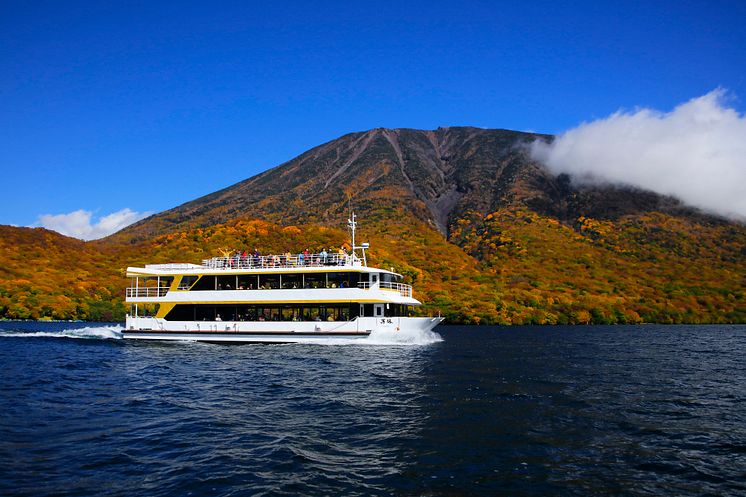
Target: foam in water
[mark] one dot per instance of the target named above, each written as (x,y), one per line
(383,337)
(89,332)
(418,337)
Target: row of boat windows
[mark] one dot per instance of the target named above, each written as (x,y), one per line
(327,312)
(268,281)
(272,281)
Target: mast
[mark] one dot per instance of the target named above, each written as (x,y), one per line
(352,223)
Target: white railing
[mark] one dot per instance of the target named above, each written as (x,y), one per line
(403,289)
(179,266)
(281,261)
(147,292)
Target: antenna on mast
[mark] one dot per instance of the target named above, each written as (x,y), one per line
(352,223)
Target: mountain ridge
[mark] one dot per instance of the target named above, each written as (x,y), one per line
(437,172)
(421,161)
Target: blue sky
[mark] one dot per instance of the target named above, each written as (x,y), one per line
(146,105)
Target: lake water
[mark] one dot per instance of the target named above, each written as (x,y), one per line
(628,411)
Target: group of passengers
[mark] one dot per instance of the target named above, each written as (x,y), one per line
(242,258)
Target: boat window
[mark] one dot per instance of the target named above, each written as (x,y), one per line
(247,281)
(187,282)
(250,313)
(291,281)
(272,313)
(338,280)
(225,312)
(314,280)
(260,312)
(353,311)
(336,313)
(374,278)
(205,283)
(205,313)
(181,312)
(269,281)
(147,309)
(227,282)
(344,314)
(291,313)
(393,310)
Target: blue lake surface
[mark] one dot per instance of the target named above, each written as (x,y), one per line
(522,411)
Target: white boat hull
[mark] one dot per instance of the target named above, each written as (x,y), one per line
(150,328)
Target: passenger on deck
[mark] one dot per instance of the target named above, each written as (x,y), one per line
(217,317)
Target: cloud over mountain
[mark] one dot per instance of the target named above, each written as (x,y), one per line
(78,223)
(697,153)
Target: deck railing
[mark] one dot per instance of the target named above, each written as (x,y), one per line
(281,261)
(403,289)
(147,292)
(177,266)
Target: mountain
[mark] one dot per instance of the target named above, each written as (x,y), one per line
(486,234)
(433,176)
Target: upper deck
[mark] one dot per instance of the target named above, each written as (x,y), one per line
(260,263)
(319,276)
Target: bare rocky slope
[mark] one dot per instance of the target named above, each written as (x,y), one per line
(436,176)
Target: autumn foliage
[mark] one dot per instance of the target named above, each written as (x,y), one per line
(512,266)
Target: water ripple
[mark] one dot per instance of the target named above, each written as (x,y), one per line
(640,411)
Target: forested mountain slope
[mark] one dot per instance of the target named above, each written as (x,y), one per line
(486,234)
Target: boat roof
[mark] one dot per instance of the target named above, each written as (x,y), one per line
(267,264)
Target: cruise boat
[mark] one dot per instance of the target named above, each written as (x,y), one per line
(271,299)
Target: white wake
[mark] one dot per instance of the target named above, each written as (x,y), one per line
(89,332)
(385,337)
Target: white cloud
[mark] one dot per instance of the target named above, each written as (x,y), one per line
(78,223)
(697,153)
